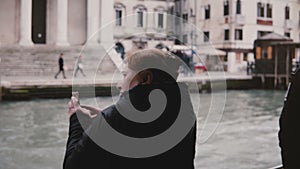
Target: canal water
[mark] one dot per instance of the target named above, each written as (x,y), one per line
(33,134)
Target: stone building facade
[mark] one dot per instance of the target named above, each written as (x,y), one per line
(42,29)
(233,25)
(53,22)
(81,22)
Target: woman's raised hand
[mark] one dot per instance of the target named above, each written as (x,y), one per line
(74,107)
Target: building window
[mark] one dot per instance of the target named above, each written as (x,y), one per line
(184,39)
(226,34)
(185,17)
(287,12)
(238,56)
(172,10)
(299,19)
(269,53)
(160,20)
(260,10)
(118,17)
(160,17)
(205,36)
(264,53)
(238,34)
(140,19)
(264,14)
(226,7)
(258,53)
(238,7)
(207,11)
(269,11)
(245,58)
(119,11)
(140,15)
(287,34)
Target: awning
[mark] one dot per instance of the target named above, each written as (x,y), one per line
(141,38)
(209,51)
(180,47)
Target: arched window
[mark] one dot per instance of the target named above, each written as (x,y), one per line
(260,9)
(119,13)
(160,17)
(207,11)
(226,7)
(269,11)
(238,7)
(140,15)
(287,12)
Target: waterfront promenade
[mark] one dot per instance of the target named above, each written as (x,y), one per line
(108,79)
(28,72)
(27,87)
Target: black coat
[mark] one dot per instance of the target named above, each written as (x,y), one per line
(61,63)
(83,152)
(289,139)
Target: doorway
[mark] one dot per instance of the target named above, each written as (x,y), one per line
(39,8)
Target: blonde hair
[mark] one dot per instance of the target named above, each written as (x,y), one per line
(155,60)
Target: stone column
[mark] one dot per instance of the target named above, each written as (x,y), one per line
(26,12)
(231,22)
(62,23)
(107,17)
(93,20)
(231,62)
(106,34)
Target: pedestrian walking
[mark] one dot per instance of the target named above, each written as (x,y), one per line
(79,66)
(248,68)
(61,66)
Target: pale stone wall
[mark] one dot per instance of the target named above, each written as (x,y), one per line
(150,23)
(77,24)
(51,22)
(247,21)
(295,19)
(77,21)
(216,24)
(9,19)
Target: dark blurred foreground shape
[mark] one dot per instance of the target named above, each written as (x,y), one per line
(289,139)
(83,152)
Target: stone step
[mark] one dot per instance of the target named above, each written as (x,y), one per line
(43,61)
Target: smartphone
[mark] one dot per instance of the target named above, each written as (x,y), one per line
(76,95)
